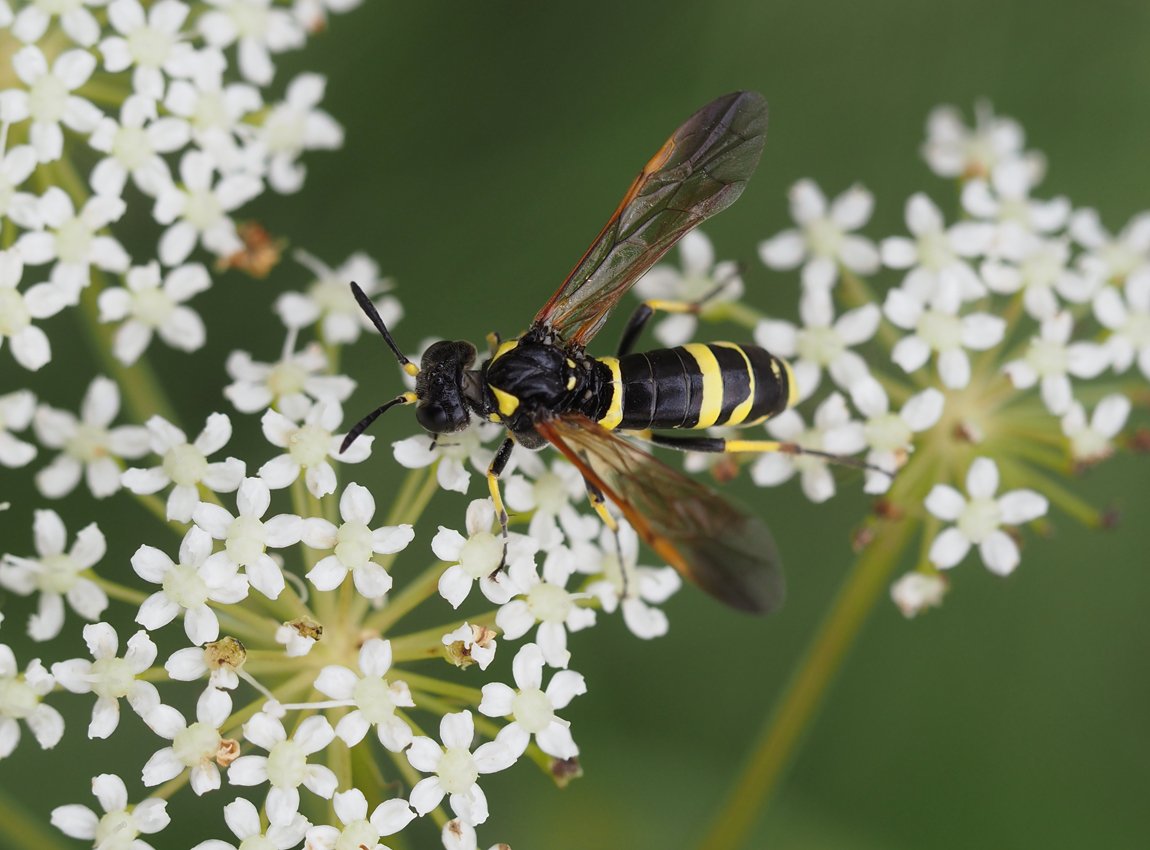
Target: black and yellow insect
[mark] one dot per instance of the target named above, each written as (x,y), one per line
(545,388)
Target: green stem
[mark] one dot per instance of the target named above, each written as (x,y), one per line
(407,600)
(780,737)
(431,685)
(21,831)
(118,591)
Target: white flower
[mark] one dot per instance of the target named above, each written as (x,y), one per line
(353,543)
(1112,258)
(546,602)
(359,831)
(187,586)
(259,28)
(1090,441)
(20,695)
(937,327)
(936,256)
(890,436)
(285,767)
(456,768)
(78,23)
(548,495)
(71,240)
(145,306)
(16,166)
(330,302)
(471,643)
(48,101)
(121,825)
(821,342)
(1038,267)
(953,150)
(832,415)
(531,708)
(452,451)
(374,697)
(57,575)
(290,384)
(1128,321)
(16,410)
(823,239)
(29,344)
(88,446)
(293,126)
(479,556)
(1006,200)
(218,660)
(151,41)
(109,677)
(309,446)
(199,211)
(698,279)
(915,592)
(246,537)
(633,588)
(214,110)
(978,520)
(186,465)
(1052,358)
(243,819)
(195,746)
(133,146)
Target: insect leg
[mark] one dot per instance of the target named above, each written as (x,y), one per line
(498,464)
(718,444)
(599,503)
(646,310)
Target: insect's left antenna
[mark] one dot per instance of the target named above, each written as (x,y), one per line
(363,424)
(373,314)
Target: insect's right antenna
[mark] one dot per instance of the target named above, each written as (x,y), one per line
(363,424)
(373,314)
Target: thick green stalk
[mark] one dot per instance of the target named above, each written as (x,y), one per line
(786,726)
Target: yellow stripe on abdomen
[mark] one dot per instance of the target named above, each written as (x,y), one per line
(743,408)
(614,414)
(711,404)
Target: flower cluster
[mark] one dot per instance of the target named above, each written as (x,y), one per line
(282,571)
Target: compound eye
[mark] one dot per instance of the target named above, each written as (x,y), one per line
(433,417)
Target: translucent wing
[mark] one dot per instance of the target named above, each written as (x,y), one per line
(698,172)
(725,551)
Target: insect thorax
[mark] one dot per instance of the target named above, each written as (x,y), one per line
(531,378)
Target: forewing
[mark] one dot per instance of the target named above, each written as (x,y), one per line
(698,172)
(725,551)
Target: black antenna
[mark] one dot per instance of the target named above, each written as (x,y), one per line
(363,424)
(369,308)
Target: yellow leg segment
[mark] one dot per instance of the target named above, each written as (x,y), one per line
(600,505)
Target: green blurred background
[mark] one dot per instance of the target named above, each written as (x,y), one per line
(486,144)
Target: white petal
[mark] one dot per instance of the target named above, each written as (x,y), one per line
(1019,506)
(948,548)
(999,553)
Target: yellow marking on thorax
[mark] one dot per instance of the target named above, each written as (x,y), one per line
(711,405)
(508,403)
(744,407)
(503,348)
(614,413)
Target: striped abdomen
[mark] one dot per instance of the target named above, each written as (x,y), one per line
(696,386)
